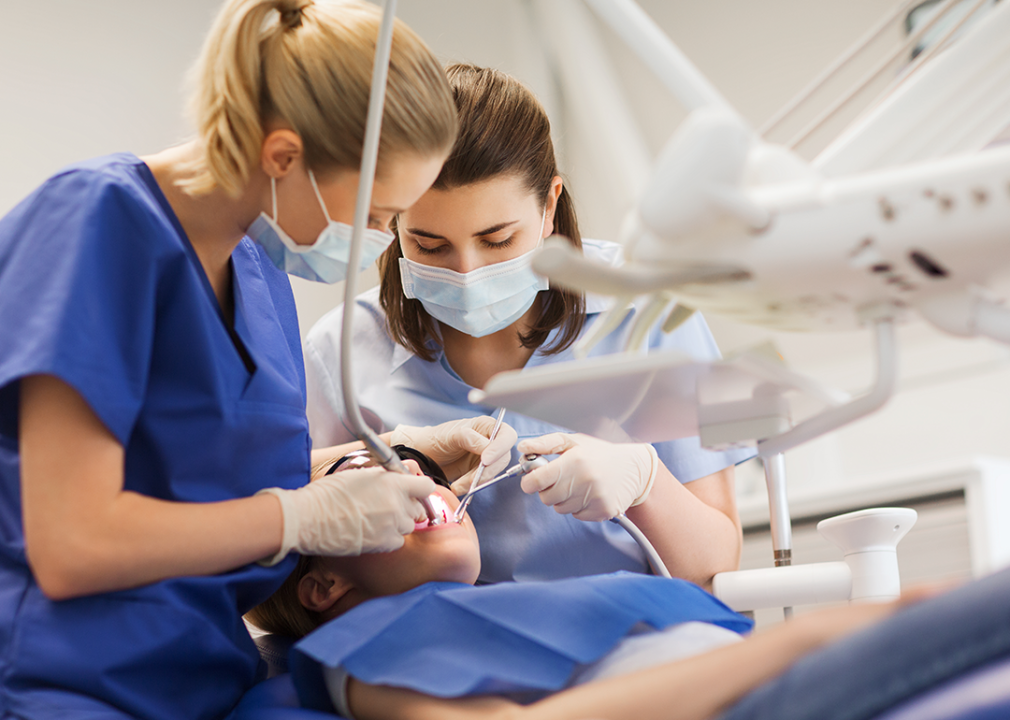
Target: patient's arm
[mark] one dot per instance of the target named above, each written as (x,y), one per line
(690,689)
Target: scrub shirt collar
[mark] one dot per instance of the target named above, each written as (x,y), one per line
(402,354)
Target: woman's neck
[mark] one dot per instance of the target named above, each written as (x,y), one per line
(214,223)
(476,360)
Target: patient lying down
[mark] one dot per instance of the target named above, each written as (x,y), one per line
(404,635)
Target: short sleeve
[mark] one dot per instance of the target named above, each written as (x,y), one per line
(78,290)
(685,457)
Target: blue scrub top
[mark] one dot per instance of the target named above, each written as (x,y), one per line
(520,537)
(100,287)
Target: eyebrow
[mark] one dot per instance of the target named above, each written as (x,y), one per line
(487,231)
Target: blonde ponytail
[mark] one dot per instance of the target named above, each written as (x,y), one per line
(308,66)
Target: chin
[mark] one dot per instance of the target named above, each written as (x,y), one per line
(447,556)
(465,570)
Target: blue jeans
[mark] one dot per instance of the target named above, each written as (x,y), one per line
(914,650)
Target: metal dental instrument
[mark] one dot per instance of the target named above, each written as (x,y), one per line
(529,463)
(480,469)
(379,450)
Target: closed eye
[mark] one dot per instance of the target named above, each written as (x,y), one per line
(429,251)
(500,245)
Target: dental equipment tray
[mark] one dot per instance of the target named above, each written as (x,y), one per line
(646,398)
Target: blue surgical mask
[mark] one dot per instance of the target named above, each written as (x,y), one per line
(480,302)
(325,260)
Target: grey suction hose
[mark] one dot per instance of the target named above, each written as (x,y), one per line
(381,452)
(656,562)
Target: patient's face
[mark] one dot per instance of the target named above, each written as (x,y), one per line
(446,552)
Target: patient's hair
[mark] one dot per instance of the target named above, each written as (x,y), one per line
(283,613)
(503,131)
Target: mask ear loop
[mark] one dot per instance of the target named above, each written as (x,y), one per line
(319,197)
(273,195)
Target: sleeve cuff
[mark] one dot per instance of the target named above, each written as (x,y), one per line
(336,685)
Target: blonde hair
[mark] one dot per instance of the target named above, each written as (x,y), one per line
(308,65)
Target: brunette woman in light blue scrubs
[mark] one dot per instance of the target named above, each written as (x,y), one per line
(458,303)
(154,451)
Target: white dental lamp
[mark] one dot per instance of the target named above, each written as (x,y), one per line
(903,214)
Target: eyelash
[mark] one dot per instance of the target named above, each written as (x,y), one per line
(507,242)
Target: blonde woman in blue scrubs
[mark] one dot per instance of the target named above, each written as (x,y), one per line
(153,439)
(458,303)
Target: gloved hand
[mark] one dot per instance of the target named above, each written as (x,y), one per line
(350,512)
(593,479)
(458,447)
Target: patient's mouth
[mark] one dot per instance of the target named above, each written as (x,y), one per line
(441,508)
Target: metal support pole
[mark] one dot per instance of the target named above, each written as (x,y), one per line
(778,509)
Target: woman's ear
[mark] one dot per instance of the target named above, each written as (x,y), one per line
(557,184)
(320,589)
(281,148)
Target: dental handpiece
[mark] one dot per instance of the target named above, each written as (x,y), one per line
(392,462)
(529,463)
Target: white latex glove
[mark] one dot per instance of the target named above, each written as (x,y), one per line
(350,512)
(593,479)
(459,446)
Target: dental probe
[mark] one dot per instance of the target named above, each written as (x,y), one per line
(480,468)
(529,463)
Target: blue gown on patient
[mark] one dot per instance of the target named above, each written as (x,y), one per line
(453,640)
(100,287)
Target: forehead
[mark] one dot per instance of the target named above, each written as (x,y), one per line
(504,197)
(399,181)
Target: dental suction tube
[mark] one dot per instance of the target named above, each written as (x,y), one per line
(382,453)
(655,561)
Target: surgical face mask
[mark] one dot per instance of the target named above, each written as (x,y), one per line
(325,260)
(480,302)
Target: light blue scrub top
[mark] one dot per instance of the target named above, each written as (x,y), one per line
(520,537)
(100,287)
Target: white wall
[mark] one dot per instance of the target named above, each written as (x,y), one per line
(83,79)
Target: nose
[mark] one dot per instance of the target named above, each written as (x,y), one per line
(468,260)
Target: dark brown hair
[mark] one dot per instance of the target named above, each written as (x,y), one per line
(503,131)
(283,613)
